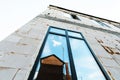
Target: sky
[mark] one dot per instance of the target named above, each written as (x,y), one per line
(16,13)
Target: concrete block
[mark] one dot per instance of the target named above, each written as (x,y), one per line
(29,41)
(109,62)
(21,74)
(10,47)
(114,73)
(16,61)
(116,57)
(7,73)
(34,33)
(13,38)
(1,54)
(97,48)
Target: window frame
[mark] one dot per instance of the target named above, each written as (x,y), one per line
(72,66)
(102,24)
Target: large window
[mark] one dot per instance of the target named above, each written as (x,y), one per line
(72,48)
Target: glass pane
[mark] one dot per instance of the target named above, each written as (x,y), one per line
(37,70)
(85,65)
(106,24)
(57,31)
(74,34)
(57,45)
(102,24)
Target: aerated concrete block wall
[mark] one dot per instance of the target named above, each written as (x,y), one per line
(18,51)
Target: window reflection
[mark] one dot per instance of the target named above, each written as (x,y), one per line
(85,65)
(55,30)
(57,45)
(74,34)
(37,71)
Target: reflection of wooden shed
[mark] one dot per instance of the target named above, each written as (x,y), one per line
(51,68)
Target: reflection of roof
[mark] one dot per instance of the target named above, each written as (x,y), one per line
(52,60)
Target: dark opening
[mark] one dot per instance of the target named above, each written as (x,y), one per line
(74,17)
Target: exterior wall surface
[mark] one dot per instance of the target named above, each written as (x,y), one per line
(18,51)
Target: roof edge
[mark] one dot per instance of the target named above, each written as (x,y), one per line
(53,55)
(83,14)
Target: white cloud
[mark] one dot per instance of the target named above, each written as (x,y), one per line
(52,37)
(89,60)
(96,75)
(61,38)
(46,50)
(56,43)
(74,42)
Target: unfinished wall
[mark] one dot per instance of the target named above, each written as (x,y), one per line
(105,44)
(19,50)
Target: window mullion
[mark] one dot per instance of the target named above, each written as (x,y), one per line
(73,71)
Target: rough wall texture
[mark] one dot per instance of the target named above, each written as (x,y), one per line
(19,50)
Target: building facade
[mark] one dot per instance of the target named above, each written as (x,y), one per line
(89,46)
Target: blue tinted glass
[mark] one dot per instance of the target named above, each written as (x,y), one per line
(74,34)
(55,30)
(85,65)
(57,45)
(102,24)
(37,70)
(106,25)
